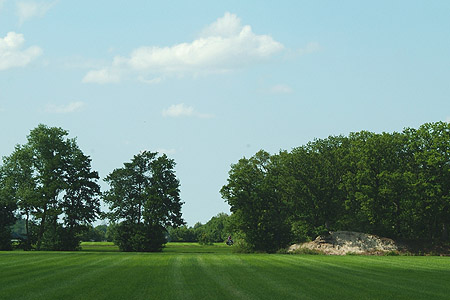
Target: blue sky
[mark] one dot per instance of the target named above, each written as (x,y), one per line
(209,83)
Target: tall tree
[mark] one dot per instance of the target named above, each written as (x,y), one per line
(52,181)
(252,192)
(430,145)
(7,208)
(144,198)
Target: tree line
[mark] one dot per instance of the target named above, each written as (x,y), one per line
(216,230)
(395,185)
(49,183)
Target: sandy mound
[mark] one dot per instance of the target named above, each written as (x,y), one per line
(343,242)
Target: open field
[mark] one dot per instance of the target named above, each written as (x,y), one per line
(191,271)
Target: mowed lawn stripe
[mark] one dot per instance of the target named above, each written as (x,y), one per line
(276,278)
(142,276)
(45,265)
(190,281)
(313,281)
(230,280)
(214,273)
(256,278)
(378,281)
(60,276)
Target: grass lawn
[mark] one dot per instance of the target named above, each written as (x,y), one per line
(191,271)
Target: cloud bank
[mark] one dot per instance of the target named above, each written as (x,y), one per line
(223,46)
(11,53)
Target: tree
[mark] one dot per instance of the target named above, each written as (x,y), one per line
(182,234)
(216,230)
(54,187)
(430,145)
(7,208)
(310,182)
(253,194)
(143,199)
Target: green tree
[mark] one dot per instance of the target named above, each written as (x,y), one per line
(143,199)
(311,184)
(216,230)
(253,195)
(7,208)
(378,183)
(430,145)
(182,234)
(52,182)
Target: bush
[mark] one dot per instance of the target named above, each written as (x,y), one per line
(205,239)
(300,232)
(139,237)
(241,245)
(59,238)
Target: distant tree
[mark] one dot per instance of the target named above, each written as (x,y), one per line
(143,200)
(54,187)
(182,234)
(94,234)
(216,230)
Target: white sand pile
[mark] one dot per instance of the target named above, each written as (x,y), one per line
(343,242)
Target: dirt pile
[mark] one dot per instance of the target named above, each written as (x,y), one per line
(343,242)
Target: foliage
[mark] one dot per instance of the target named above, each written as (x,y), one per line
(390,184)
(182,234)
(260,211)
(7,218)
(51,182)
(216,230)
(96,234)
(143,237)
(143,200)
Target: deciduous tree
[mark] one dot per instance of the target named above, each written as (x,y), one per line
(144,199)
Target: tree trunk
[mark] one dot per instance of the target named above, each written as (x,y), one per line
(27,228)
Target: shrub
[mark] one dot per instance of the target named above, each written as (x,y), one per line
(131,237)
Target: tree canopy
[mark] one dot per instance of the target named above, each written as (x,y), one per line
(52,183)
(391,184)
(144,199)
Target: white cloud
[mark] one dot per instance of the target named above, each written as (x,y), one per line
(156,80)
(11,53)
(281,89)
(311,47)
(102,76)
(30,9)
(182,110)
(222,46)
(65,109)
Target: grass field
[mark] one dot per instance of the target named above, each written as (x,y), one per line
(191,271)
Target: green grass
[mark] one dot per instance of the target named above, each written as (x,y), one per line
(191,271)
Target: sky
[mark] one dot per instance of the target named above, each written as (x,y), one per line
(210,82)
